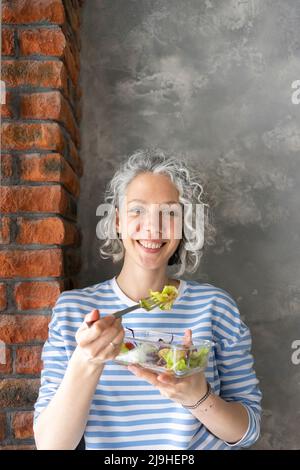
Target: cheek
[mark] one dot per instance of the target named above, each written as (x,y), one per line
(130,231)
(134,229)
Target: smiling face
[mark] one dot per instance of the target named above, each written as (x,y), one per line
(150,220)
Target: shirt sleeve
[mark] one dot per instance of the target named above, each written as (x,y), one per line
(238,381)
(55,361)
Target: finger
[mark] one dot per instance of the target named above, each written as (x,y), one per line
(103,351)
(167,379)
(93,316)
(150,377)
(86,335)
(110,333)
(118,339)
(187,340)
(105,343)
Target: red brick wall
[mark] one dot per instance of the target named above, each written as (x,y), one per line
(40,171)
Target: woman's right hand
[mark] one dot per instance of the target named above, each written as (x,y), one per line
(103,339)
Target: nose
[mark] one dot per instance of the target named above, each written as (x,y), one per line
(153,223)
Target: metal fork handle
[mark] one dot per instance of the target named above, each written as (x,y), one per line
(120,313)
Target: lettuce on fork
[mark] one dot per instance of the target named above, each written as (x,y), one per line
(166,297)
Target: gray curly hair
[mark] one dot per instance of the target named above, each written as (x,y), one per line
(190,191)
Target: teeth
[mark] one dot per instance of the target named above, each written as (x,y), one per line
(151,245)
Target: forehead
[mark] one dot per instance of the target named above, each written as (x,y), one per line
(153,188)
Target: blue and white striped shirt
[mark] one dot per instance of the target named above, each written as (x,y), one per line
(129,413)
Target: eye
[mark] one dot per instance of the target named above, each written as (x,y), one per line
(172,213)
(136,210)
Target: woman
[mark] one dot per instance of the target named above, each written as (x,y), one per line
(117,407)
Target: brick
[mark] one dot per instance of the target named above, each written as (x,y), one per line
(15,329)
(8,46)
(51,105)
(33,11)
(3,298)
(18,392)
(51,168)
(50,42)
(6,166)
(4,230)
(48,231)
(22,423)
(23,136)
(34,263)
(5,368)
(42,41)
(29,135)
(34,73)
(28,360)
(33,199)
(6,108)
(3,429)
(32,295)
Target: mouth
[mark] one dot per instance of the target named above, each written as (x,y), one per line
(150,247)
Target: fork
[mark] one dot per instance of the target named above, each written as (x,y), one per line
(151,305)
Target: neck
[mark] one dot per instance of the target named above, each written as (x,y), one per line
(135,283)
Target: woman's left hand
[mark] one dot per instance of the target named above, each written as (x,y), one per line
(185,391)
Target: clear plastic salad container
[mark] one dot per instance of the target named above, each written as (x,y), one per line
(163,352)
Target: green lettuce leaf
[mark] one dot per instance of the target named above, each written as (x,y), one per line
(198,358)
(180,365)
(167,297)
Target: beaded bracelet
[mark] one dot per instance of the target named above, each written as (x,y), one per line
(201,399)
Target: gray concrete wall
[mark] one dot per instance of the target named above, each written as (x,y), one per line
(210,79)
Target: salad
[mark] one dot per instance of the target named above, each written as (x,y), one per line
(160,351)
(162,357)
(166,298)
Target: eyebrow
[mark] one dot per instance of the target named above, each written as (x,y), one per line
(141,200)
